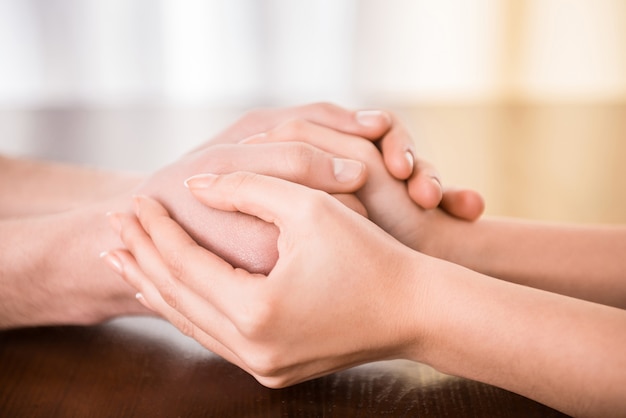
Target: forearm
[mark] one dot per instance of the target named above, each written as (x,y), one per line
(579,261)
(50,272)
(29,187)
(560,351)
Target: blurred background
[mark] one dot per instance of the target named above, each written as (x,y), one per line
(524,100)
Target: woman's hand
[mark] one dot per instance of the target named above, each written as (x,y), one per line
(342,292)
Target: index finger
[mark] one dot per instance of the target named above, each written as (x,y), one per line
(271,199)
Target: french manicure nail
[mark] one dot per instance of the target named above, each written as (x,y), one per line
(200,181)
(254,138)
(113,261)
(371,118)
(410,159)
(346,170)
(143,301)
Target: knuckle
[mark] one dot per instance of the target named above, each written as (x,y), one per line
(176,265)
(299,160)
(314,205)
(266,365)
(255,321)
(292,129)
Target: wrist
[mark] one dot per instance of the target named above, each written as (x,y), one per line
(52,273)
(99,293)
(420,310)
(452,239)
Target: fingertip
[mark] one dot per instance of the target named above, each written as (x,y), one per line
(464,204)
(200,181)
(426,191)
(372,118)
(347,170)
(400,165)
(376,122)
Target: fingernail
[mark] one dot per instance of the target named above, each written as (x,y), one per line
(143,301)
(114,221)
(371,118)
(254,138)
(346,170)
(410,159)
(200,181)
(113,261)
(137,203)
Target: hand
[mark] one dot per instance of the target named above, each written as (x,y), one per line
(342,292)
(423,181)
(385,198)
(242,240)
(378,126)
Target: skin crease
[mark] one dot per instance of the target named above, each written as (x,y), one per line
(68,204)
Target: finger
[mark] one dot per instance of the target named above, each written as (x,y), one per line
(371,124)
(464,204)
(294,161)
(201,288)
(398,152)
(367,124)
(271,199)
(148,295)
(424,186)
(172,257)
(321,137)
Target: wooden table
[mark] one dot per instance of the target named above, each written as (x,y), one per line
(142,367)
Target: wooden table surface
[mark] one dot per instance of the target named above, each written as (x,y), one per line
(142,367)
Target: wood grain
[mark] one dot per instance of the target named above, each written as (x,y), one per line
(142,367)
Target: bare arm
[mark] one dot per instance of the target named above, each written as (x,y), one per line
(587,262)
(30,187)
(50,272)
(560,351)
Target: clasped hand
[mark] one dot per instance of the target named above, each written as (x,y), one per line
(289,284)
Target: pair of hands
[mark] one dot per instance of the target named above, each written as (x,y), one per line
(322,288)
(302,144)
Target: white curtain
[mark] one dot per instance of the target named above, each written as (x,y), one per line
(255,52)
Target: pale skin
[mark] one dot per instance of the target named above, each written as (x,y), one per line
(43,204)
(359,292)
